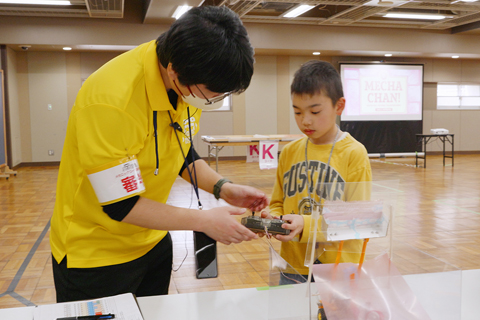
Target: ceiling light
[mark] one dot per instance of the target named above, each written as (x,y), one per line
(95,47)
(385,3)
(67,48)
(39,2)
(455,57)
(388,54)
(316,53)
(298,10)
(468,0)
(419,16)
(180,11)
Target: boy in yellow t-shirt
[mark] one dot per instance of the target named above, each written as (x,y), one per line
(330,156)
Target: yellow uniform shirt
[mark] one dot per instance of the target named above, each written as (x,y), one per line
(112,120)
(349,163)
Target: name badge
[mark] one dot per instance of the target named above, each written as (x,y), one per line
(117,180)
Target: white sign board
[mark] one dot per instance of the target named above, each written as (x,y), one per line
(252,153)
(268,154)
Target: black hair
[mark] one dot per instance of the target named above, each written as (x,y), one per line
(208,45)
(316,77)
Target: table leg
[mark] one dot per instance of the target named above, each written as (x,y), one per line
(416,152)
(424,153)
(216,158)
(444,151)
(209,150)
(452,148)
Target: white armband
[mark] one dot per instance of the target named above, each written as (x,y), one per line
(117,180)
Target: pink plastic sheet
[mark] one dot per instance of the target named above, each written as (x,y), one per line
(377,292)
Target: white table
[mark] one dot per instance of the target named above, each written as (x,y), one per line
(218,142)
(437,292)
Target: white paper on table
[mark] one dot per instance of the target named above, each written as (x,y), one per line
(123,306)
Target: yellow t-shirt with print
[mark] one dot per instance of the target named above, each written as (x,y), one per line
(112,120)
(349,163)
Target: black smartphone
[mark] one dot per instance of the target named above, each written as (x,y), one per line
(205,256)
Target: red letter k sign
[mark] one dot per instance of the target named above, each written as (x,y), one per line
(267,151)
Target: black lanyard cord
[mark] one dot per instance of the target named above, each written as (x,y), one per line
(193,182)
(156,140)
(191,145)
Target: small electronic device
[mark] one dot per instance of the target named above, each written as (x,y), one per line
(439,131)
(257,224)
(205,256)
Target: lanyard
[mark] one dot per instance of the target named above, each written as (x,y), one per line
(193,179)
(327,173)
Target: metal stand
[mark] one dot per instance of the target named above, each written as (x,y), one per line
(5,172)
(217,150)
(423,139)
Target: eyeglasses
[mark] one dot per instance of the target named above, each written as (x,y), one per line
(214,99)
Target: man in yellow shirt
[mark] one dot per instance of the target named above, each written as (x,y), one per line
(128,137)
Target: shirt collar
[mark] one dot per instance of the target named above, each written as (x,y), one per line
(156,92)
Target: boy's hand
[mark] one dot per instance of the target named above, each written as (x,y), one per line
(265,214)
(294,223)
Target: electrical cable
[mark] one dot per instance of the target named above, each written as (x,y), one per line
(185,238)
(192,181)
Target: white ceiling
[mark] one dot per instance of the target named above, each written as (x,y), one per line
(463,16)
(78,9)
(351,18)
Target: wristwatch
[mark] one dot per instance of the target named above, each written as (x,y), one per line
(218,186)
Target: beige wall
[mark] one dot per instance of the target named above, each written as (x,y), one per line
(283,94)
(41,78)
(19,107)
(462,123)
(47,80)
(349,40)
(91,61)
(260,97)
(14,106)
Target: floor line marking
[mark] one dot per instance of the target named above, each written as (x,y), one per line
(398,190)
(18,276)
(453,206)
(21,299)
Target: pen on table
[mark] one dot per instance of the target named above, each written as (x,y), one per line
(94,317)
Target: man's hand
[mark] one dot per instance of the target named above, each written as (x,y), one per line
(220,225)
(294,224)
(244,196)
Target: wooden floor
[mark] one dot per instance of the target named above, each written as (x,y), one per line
(436,227)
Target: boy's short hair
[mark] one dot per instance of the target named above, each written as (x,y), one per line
(316,77)
(209,45)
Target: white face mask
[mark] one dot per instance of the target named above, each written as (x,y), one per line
(202,103)
(199,103)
